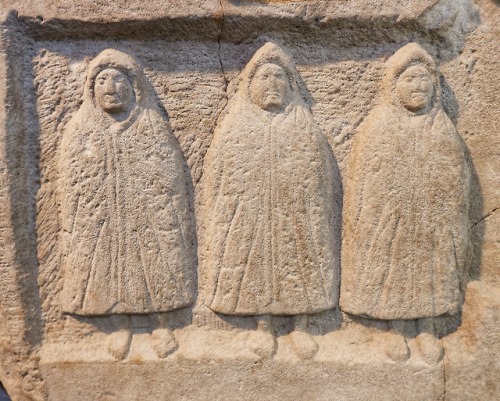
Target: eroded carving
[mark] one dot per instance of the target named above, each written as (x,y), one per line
(128,230)
(406,204)
(269,197)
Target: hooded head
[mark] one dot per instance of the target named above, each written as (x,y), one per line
(269,80)
(411,80)
(116,84)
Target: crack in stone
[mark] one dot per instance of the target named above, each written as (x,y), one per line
(445,357)
(485,217)
(219,47)
(226,82)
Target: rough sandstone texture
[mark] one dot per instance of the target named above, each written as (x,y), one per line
(202,158)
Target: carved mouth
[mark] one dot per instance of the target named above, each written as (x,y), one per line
(112,98)
(419,96)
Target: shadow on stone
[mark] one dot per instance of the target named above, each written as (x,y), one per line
(3,394)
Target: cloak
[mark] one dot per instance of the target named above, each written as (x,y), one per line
(127,220)
(269,197)
(406,227)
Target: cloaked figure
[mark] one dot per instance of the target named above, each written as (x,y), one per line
(128,236)
(406,231)
(272,213)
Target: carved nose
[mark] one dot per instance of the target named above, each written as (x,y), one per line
(273,84)
(421,85)
(109,87)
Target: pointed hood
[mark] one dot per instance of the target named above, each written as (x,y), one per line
(111,58)
(270,53)
(407,56)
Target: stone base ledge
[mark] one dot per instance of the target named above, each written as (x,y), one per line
(242,380)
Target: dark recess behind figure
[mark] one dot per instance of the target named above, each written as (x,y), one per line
(3,394)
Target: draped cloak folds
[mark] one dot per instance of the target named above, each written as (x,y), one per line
(126,215)
(269,194)
(406,226)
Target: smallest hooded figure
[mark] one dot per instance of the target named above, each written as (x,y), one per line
(127,220)
(271,210)
(406,205)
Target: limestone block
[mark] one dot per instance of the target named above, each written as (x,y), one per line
(472,353)
(178,181)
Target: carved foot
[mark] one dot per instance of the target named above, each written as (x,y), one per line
(430,348)
(164,342)
(262,343)
(396,347)
(304,345)
(119,344)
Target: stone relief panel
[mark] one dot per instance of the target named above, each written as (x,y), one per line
(128,234)
(104,182)
(309,332)
(342,89)
(406,216)
(270,205)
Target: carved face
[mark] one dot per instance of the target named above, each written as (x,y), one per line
(270,87)
(113,91)
(415,88)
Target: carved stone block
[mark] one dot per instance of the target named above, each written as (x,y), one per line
(249,199)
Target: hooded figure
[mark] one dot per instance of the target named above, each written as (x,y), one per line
(406,201)
(127,221)
(269,196)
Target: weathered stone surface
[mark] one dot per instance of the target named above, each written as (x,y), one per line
(236,381)
(270,244)
(472,352)
(127,241)
(194,56)
(406,232)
